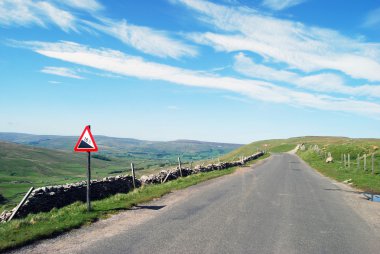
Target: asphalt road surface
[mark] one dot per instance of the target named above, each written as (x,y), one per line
(281,206)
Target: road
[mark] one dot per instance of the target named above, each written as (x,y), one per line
(282,206)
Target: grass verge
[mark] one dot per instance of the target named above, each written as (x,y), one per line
(44,225)
(361,179)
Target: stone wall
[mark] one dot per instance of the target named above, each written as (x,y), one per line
(46,198)
(2,199)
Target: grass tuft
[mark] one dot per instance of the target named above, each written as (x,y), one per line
(360,178)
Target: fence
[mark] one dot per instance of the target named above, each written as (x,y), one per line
(44,199)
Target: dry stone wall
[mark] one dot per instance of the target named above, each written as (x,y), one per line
(46,198)
(2,199)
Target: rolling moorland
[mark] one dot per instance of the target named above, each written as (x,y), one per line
(34,160)
(23,166)
(37,226)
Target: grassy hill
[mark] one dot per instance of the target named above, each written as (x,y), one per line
(34,160)
(128,148)
(24,166)
(337,146)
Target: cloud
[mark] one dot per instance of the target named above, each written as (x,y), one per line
(87,5)
(122,64)
(321,82)
(278,5)
(372,19)
(40,13)
(145,39)
(61,71)
(245,65)
(54,82)
(305,48)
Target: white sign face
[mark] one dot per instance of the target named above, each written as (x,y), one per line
(86,141)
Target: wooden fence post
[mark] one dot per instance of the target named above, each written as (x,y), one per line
(345,161)
(358,159)
(179,165)
(365,162)
(373,162)
(133,175)
(348,160)
(21,203)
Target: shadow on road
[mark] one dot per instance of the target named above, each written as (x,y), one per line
(150,207)
(357,192)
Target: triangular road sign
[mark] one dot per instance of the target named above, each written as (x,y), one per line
(86,142)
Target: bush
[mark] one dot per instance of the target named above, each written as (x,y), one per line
(101,157)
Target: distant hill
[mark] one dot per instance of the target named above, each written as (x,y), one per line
(39,160)
(24,166)
(283,145)
(127,147)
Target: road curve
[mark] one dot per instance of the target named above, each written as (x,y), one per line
(281,206)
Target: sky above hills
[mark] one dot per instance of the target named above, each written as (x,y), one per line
(228,70)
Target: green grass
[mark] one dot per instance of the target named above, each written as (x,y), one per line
(337,146)
(273,145)
(282,148)
(361,179)
(38,226)
(24,166)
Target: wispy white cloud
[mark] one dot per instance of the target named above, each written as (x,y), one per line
(61,71)
(281,4)
(63,19)
(372,19)
(54,82)
(40,13)
(321,82)
(43,13)
(301,47)
(122,64)
(245,65)
(87,5)
(145,39)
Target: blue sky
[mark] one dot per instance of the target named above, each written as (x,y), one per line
(228,70)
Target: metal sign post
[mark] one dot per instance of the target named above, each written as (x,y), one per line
(88,198)
(86,143)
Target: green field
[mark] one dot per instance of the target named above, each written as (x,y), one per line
(23,166)
(164,151)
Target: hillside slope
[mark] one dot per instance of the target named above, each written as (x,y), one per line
(32,160)
(126,147)
(360,149)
